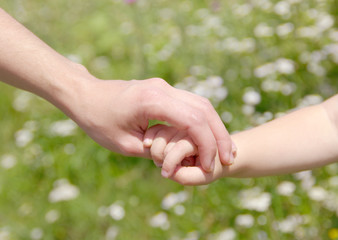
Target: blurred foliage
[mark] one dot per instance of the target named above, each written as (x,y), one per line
(184,42)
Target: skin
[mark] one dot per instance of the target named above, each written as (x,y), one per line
(114,113)
(302,140)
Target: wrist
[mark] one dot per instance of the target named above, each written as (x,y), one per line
(67,86)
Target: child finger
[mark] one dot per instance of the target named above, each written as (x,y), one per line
(161,139)
(179,136)
(150,135)
(182,149)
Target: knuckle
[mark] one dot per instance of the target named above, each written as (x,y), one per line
(158,82)
(206,104)
(152,94)
(196,118)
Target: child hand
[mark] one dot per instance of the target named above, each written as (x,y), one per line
(170,148)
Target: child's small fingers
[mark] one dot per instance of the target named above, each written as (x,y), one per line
(178,137)
(182,149)
(195,175)
(192,176)
(160,142)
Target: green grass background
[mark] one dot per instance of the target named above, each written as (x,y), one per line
(116,40)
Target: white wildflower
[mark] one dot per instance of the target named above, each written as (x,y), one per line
(220,94)
(264,70)
(307,179)
(22,100)
(324,22)
(332,49)
(331,202)
(194,235)
(243,9)
(36,233)
(227,234)
(172,199)
(63,191)
(23,137)
(288,88)
(160,220)
(255,199)
(248,110)
(5,234)
(308,32)
(333,35)
(198,70)
(333,181)
(116,211)
(112,233)
(270,85)
(284,29)
(305,57)
(285,66)
(290,224)
(8,161)
(179,210)
(214,81)
(52,216)
(310,100)
(263,30)
(286,188)
(282,8)
(247,45)
(316,69)
(226,117)
(263,4)
(317,193)
(251,97)
(63,128)
(245,220)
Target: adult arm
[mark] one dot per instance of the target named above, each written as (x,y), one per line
(302,140)
(114,113)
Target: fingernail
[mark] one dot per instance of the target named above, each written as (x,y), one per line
(164,173)
(147,142)
(232,159)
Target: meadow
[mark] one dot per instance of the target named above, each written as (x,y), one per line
(255,61)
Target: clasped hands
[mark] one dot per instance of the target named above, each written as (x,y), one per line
(116,115)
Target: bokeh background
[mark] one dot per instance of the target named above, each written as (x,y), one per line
(255,60)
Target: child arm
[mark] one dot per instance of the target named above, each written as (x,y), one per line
(304,139)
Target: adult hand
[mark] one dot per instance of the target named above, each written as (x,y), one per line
(116,114)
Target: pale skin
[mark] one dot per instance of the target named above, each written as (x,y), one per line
(301,140)
(114,113)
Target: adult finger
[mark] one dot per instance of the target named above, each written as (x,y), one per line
(224,143)
(159,105)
